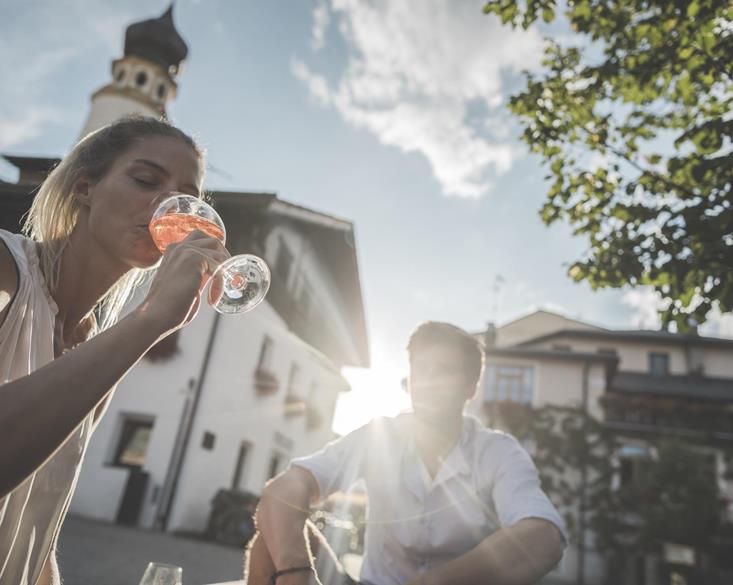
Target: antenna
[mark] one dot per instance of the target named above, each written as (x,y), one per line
(499,281)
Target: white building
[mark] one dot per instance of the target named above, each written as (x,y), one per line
(545,358)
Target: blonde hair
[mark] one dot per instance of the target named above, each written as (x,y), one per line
(55,211)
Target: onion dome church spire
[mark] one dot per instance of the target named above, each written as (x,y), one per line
(144,79)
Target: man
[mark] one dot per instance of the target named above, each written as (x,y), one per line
(450,501)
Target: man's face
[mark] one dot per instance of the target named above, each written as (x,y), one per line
(438,381)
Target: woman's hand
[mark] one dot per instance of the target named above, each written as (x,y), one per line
(174,296)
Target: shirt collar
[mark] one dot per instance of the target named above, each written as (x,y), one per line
(456,462)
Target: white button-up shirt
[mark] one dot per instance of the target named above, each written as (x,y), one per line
(416,522)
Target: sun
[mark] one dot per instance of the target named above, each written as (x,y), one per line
(374,392)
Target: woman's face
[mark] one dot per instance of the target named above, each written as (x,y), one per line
(121,203)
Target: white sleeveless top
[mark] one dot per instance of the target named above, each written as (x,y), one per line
(31,515)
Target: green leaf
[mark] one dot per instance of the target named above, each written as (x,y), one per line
(647,86)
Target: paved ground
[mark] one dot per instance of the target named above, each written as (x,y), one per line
(96,553)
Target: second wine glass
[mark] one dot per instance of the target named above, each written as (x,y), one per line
(240,283)
(162,574)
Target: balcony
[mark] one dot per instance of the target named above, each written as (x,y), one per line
(265,382)
(294,405)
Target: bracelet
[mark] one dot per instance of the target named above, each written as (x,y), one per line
(277,574)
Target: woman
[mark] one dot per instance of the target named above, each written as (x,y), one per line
(61,291)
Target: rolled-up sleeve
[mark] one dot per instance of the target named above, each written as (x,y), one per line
(339,464)
(517,493)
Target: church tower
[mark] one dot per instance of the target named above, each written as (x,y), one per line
(144,79)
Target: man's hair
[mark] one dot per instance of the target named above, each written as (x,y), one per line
(433,333)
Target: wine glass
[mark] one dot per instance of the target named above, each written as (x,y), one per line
(162,574)
(240,283)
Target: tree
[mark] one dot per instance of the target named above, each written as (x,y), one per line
(574,455)
(634,123)
(674,497)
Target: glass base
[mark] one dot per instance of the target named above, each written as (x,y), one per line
(239,284)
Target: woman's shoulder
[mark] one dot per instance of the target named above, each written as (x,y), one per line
(10,255)
(19,249)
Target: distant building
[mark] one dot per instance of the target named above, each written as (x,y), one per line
(229,400)
(641,384)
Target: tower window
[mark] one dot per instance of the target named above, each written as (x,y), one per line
(161,91)
(141,79)
(120,76)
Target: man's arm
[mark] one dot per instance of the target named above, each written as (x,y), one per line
(281,515)
(519,554)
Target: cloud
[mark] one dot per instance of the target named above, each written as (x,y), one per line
(37,43)
(321,20)
(416,74)
(23,113)
(646,304)
(25,125)
(718,324)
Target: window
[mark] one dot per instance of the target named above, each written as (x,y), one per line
(208,441)
(293,380)
(313,416)
(633,461)
(283,262)
(133,443)
(305,300)
(504,382)
(239,466)
(263,362)
(294,403)
(659,364)
(161,91)
(561,347)
(141,79)
(275,464)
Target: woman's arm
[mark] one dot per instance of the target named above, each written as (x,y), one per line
(38,412)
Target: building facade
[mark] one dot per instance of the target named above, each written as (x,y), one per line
(641,384)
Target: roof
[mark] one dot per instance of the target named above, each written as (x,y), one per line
(584,324)
(561,355)
(694,387)
(156,40)
(33,164)
(635,335)
(333,239)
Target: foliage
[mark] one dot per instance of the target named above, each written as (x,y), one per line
(632,119)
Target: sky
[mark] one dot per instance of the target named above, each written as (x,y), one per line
(388,113)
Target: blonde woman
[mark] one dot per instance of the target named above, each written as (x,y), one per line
(62,348)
